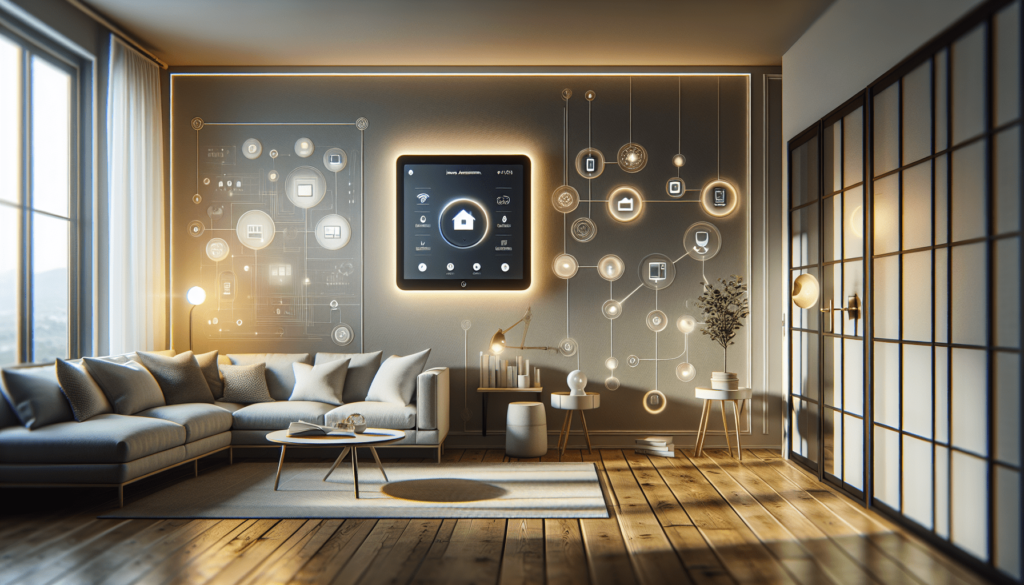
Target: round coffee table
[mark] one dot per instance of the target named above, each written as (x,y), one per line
(370,438)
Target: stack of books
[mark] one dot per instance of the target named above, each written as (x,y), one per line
(658,446)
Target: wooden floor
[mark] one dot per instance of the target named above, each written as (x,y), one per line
(684,520)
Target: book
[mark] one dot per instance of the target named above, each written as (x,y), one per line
(305,429)
(659,442)
(657,452)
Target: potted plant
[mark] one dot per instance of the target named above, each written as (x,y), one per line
(723,311)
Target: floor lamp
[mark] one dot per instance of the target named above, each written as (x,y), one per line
(195,296)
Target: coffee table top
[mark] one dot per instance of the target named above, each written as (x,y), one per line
(372,436)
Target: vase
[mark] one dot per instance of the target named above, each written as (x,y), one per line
(725,381)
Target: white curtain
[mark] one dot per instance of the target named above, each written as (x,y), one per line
(138,290)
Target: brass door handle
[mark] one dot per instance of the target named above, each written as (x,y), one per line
(852,309)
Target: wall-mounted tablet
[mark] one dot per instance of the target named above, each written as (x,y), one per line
(463,222)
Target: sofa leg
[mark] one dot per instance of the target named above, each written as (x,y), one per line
(120,496)
(439,454)
(196,467)
(231,455)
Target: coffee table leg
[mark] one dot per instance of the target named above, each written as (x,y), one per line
(337,462)
(355,471)
(377,459)
(279,464)
(586,433)
(568,429)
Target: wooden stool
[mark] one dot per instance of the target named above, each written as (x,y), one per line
(722,396)
(568,402)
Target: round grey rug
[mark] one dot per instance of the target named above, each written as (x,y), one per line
(443,490)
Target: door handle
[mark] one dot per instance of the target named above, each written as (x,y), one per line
(852,309)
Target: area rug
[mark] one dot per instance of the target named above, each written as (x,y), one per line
(415,490)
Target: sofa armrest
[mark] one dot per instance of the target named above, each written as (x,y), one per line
(432,402)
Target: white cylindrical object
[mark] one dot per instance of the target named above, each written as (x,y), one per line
(526,430)
(524,381)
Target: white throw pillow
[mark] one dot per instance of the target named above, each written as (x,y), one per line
(321,383)
(395,381)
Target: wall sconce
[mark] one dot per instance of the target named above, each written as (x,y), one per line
(195,296)
(805,291)
(498,340)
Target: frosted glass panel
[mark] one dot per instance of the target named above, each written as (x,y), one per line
(887,111)
(1008,522)
(941,199)
(969,85)
(805,429)
(887,384)
(942,491)
(1007,407)
(1007,321)
(941,101)
(853,376)
(833,284)
(970,294)
(917,113)
(941,373)
(917,296)
(970,514)
(917,206)
(833,435)
(853,147)
(1007,64)
(805,318)
(804,228)
(853,451)
(832,239)
(853,282)
(887,215)
(1007,180)
(969,192)
(941,295)
(804,168)
(832,391)
(10,132)
(887,297)
(887,467)
(798,445)
(51,144)
(917,390)
(853,226)
(51,256)
(805,364)
(917,480)
(970,400)
(831,158)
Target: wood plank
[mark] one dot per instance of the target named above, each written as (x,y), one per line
(171,543)
(83,554)
(698,558)
(378,544)
(564,560)
(572,455)
(202,563)
(16,569)
(494,456)
(654,559)
(606,552)
(41,539)
(746,561)
(765,454)
(282,569)
(472,456)
(523,560)
(287,550)
(105,563)
(404,558)
(438,548)
(471,555)
(452,455)
(245,559)
(551,456)
(332,556)
(660,498)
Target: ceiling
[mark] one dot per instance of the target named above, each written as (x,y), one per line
(464,32)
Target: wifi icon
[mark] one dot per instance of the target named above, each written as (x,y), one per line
(423,197)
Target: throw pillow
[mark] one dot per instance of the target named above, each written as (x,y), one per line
(180,378)
(129,387)
(280,377)
(323,383)
(34,395)
(85,395)
(246,384)
(395,381)
(208,364)
(362,368)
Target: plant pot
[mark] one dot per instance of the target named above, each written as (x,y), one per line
(725,381)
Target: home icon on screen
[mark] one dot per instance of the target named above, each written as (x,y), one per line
(464,220)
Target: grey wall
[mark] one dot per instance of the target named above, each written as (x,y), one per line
(482,115)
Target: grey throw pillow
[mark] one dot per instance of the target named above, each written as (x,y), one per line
(83,393)
(129,387)
(322,383)
(208,364)
(362,367)
(180,378)
(246,384)
(35,396)
(280,377)
(395,381)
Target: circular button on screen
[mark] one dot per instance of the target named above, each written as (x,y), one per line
(464,223)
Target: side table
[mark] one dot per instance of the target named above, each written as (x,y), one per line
(485,395)
(568,402)
(722,396)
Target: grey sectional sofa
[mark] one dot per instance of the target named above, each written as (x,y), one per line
(116,450)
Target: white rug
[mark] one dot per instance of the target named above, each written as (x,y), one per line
(417,490)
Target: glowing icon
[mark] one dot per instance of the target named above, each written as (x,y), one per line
(591,164)
(304,190)
(657,271)
(476,266)
(334,159)
(464,221)
(422,267)
(423,219)
(505,267)
(633,361)
(254,231)
(332,232)
(702,239)
(410,172)
(504,200)
(719,194)
(252,148)
(423,197)
(675,187)
(504,219)
(625,204)
(451,266)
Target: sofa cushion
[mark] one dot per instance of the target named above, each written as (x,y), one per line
(275,416)
(381,415)
(129,387)
(208,364)
(246,384)
(229,406)
(362,367)
(321,383)
(104,438)
(35,396)
(180,378)
(84,394)
(395,381)
(7,416)
(200,420)
(280,377)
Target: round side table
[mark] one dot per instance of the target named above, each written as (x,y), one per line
(722,396)
(568,402)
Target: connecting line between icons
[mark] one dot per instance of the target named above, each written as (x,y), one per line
(686,350)
(639,286)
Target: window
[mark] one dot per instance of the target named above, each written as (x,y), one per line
(39,112)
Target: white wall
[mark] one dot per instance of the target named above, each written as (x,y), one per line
(852,44)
